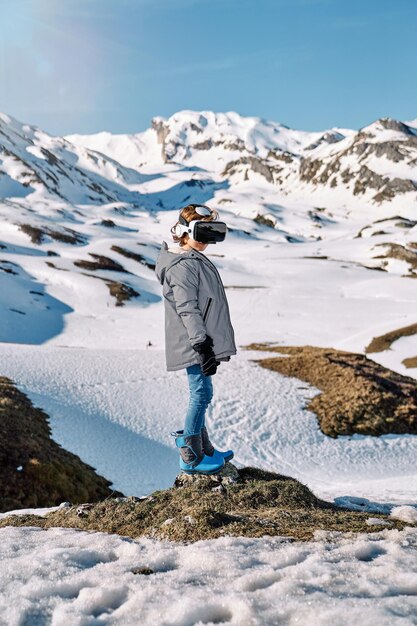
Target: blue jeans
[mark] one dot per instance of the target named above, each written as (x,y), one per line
(201,393)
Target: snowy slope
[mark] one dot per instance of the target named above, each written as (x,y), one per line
(296,272)
(36,166)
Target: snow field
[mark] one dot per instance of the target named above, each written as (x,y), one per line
(117,408)
(66,577)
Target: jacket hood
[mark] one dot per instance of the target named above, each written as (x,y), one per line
(166,259)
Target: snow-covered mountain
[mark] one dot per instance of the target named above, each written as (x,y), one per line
(82,216)
(207,151)
(35,166)
(376,164)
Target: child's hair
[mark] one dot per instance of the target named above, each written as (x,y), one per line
(189,213)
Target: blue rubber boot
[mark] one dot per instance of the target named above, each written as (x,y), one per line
(192,458)
(211,451)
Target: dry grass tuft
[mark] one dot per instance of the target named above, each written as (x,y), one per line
(411,362)
(384,342)
(121,292)
(133,255)
(38,235)
(100,263)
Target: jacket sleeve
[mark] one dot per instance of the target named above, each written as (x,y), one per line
(183,279)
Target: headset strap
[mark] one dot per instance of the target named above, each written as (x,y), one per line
(182,219)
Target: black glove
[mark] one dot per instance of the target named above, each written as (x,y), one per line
(208,359)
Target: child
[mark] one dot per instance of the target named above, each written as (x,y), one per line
(198,331)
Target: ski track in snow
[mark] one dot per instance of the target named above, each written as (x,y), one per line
(116,409)
(63,576)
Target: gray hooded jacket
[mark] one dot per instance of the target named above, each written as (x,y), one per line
(195,306)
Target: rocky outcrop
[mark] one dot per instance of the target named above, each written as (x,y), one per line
(162,132)
(326,138)
(255,164)
(393,187)
(399,252)
(322,171)
(390,124)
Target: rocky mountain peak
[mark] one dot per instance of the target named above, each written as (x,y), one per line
(390,124)
(227,146)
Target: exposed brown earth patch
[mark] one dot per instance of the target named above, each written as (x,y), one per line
(133,255)
(39,235)
(384,342)
(121,292)
(34,470)
(118,290)
(100,263)
(358,395)
(264,221)
(411,362)
(247,502)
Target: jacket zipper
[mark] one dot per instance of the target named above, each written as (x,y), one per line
(221,286)
(207,308)
(205,259)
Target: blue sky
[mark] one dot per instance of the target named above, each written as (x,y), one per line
(89,65)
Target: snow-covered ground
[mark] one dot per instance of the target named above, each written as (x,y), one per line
(63,577)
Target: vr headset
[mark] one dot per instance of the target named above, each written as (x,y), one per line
(199,230)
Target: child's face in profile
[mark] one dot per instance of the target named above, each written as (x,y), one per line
(196,245)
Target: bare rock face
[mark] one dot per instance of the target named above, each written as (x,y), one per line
(228,475)
(162,132)
(353,166)
(258,165)
(393,187)
(391,124)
